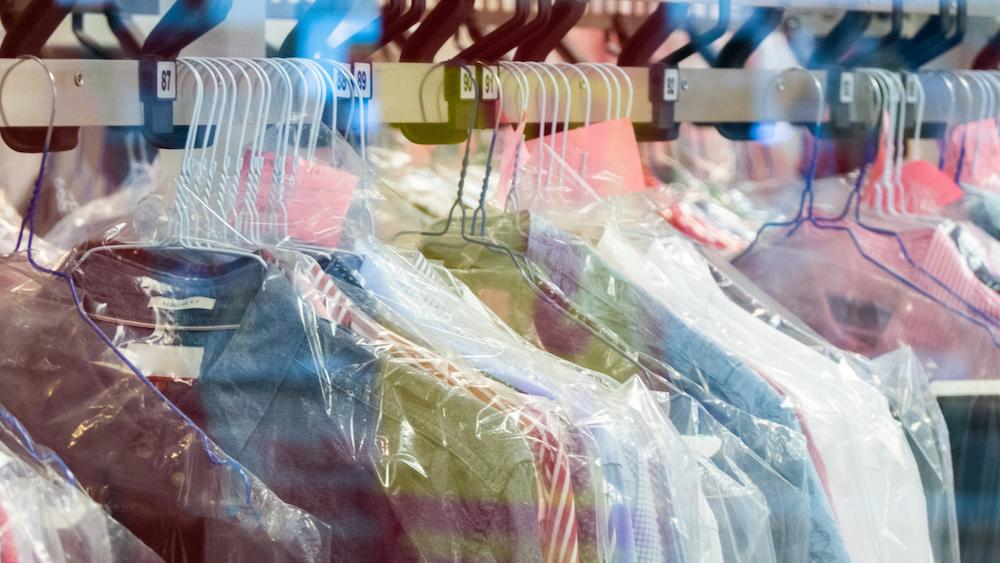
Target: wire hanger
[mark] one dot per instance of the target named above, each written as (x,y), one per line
(645,365)
(188,200)
(28,225)
(806,215)
(977,312)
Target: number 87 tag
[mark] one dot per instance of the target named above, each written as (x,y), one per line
(166,80)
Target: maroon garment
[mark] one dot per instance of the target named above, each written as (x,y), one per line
(126,446)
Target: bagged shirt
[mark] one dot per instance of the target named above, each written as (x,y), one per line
(151,468)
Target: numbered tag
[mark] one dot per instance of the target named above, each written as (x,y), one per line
(166,80)
(846,87)
(912,89)
(342,85)
(466,85)
(671,85)
(363,75)
(491,85)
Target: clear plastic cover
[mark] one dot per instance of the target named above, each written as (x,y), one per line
(868,467)
(584,284)
(154,471)
(45,517)
(398,463)
(650,482)
(900,376)
(859,306)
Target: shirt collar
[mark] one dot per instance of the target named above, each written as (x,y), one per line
(260,302)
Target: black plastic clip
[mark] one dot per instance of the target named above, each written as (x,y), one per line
(158,91)
(664,90)
(840,99)
(463,86)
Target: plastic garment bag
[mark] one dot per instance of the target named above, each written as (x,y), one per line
(489,275)
(99,215)
(578,271)
(764,498)
(858,307)
(400,464)
(868,466)
(566,504)
(45,517)
(649,483)
(899,376)
(153,470)
(730,491)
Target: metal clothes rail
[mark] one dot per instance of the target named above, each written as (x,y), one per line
(106,93)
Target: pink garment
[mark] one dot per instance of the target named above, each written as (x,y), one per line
(981,140)
(316,199)
(822,278)
(605,155)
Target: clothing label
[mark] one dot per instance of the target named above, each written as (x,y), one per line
(183,362)
(170,304)
(705,446)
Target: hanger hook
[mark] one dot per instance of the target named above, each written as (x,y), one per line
(510,201)
(629,87)
(820,106)
(607,86)
(28,223)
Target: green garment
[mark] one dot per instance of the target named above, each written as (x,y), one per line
(460,475)
(496,280)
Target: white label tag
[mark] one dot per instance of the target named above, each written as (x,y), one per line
(671,85)
(170,304)
(847,87)
(466,84)
(363,75)
(343,85)
(491,85)
(912,89)
(183,362)
(705,446)
(166,80)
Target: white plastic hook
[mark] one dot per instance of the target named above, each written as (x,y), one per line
(607,86)
(629,87)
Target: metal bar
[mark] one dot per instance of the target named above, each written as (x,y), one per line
(95,93)
(87,93)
